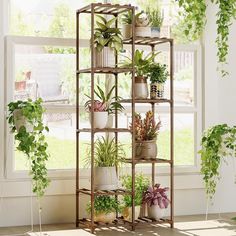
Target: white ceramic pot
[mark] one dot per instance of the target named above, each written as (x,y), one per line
(21,120)
(140,88)
(105,58)
(127,213)
(100,119)
(110,121)
(105,178)
(127,31)
(155,32)
(155,212)
(143,31)
(105,217)
(145,149)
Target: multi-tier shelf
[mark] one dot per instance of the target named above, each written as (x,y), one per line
(115,10)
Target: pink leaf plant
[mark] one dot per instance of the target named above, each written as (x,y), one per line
(156,196)
(147,128)
(97,106)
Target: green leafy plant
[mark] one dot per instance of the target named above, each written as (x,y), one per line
(158,73)
(106,35)
(107,153)
(142,63)
(141,185)
(155,17)
(217,142)
(127,18)
(32,144)
(104,204)
(107,102)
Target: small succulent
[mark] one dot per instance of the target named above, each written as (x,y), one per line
(146,129)
(156,196)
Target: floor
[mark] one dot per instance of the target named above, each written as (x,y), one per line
(184,226)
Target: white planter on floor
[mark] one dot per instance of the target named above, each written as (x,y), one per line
(21,120)
(105,58)
(100,119)
(105,178)
(155,212)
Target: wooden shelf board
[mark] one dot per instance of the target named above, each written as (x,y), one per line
(151,41)
(89,130)
(151,160)
(104,192)
(105,70)
(164,100)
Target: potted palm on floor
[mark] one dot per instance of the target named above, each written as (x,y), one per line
(107,155)
(107,42)
(157,201)
(146,131)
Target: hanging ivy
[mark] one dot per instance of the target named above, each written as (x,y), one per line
(225,17)
(194,15)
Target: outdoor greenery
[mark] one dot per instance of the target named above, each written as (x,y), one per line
(141,185)
(154,16)
(217,142)
(31,143)
(104,204)
(107,35)
(158,73)
(106,152)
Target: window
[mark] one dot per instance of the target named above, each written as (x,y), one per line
(45,67)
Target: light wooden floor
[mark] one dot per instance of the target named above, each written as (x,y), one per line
(184,226)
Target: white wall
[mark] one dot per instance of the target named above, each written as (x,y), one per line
(59,203)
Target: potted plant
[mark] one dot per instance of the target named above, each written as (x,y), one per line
(104,107)
(107,41)
(142,28)
(156,20)
(142,65)
(146,131)
(158,75)
(107,156)
(127,25)
(157,201)
(141,185)
(20,82)
(31,141)
(105,208)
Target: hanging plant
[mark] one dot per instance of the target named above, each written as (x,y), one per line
(217,142)
(193,13)
(26,122)
(225,17)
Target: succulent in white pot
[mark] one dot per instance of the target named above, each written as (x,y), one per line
(156,19)
(157,201)
(107,156)
(105,208)
(107,42)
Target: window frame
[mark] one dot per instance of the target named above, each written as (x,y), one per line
(195,109)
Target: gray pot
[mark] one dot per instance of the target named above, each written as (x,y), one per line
(145,149)
(157,90)
(155,32)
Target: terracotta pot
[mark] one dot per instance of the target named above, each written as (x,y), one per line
(21,120)
(145,149)
(20,85)
(127,31)
(127,213)
(105,178)
(140,87)
(155,32)
(155,212)
(105,217)
(105,58)
(157,90)
(100,119)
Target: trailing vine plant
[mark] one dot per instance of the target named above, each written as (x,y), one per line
(30,139)
(217,143)
(193,13)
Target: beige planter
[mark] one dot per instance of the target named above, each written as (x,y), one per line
(21,120)
(143,31)
(105,58)
(100,119)
(127,31)
(145,149)
(105,178)
(127,213)
(140,87)
(155,212)
(157,90)
(105,218)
